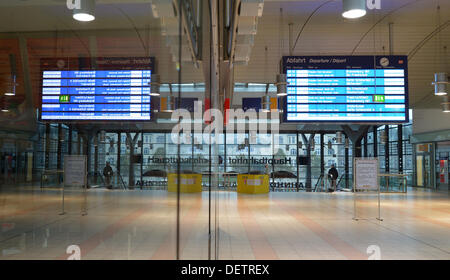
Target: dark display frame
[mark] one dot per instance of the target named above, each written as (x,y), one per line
(95,64)
(351,62)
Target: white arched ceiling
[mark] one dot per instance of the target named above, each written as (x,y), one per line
(326,33)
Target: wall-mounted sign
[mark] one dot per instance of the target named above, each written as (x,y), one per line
(355,89)
(96,89)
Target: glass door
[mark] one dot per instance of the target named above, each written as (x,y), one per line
(424,166)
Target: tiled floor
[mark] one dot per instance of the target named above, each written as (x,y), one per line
(142,225)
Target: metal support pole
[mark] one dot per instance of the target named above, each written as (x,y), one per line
(62,206)
(400,148)
(69,142)
(291,38)
(119,148)
(59,148)
(142,158)
(379,204)
(96,143)
(47,146)
(355,217)
(365,146)
(386,150)
(375,141)
(298,165)
(322,156)
(84,210)
(347,171)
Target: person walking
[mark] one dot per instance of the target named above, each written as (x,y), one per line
(333,174)
(108,173)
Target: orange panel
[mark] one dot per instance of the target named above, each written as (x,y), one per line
(163,104)
(273,103)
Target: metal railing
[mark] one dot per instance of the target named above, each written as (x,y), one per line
(393,183)
(318,183)
(339,182)
(93,178)
(52,177)
(120,181)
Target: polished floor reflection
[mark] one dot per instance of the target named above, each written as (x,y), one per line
(142,225)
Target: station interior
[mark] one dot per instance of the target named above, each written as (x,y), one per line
(180,129)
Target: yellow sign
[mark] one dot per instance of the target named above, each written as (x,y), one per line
(189,183)
(252,184)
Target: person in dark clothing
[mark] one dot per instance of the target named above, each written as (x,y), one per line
(333,174)
(108,173)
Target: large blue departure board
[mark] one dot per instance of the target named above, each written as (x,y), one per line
(103,95)
(354,89)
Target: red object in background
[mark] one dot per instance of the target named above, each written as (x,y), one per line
(226,107)
(442,171)
(7,226)
(207,114)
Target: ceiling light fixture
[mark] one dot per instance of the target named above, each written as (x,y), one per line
(446,107)
(266,100)
(281,85)
(440,77)
(12,85)
(155,85)
(354,8)
(85,11)
(170,102)
(440,84)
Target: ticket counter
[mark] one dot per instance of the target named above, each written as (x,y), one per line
(252,184)
(190,183)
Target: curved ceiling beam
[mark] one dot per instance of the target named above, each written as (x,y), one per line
(44,11)
(134,27)
(379,21)
(425,99)
(430,36)
(307,20)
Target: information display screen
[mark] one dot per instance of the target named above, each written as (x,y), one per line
(353,89)
(109,94)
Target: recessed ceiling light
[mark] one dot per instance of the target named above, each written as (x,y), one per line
(83,17)
(354,8)
(85,11)
(355,13)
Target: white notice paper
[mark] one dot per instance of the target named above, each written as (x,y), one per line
(366,174)
(75,170)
